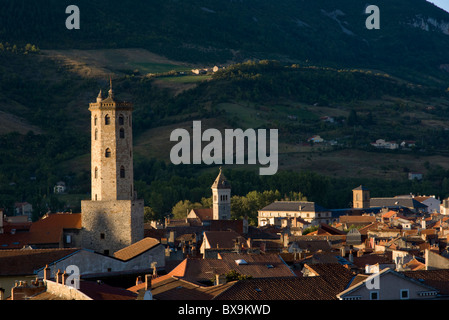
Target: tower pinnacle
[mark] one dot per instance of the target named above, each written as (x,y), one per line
(110,87)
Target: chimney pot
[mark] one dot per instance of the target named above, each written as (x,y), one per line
(47,272)
(59,276)
(64,278)
(148,278)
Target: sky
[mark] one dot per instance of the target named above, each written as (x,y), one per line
(444,4)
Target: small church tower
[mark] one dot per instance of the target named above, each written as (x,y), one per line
(361,198)
(221,198)
(113,218)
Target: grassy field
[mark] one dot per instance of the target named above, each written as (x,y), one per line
(152,67)
(105,62)
(187,78)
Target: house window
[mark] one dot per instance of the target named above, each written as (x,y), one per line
(107,120)
(404,294)
(374,295)
(121,120)
(122,133)
(68,239)
(107,153)
(122,172)
(101,235)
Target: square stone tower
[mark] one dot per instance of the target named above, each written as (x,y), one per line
(221,198)
(113,218)
(361,198)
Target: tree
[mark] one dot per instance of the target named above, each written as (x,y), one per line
(149,214)
(233,275)
(352,118)
(182,208)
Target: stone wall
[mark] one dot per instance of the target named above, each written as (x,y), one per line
(111,225)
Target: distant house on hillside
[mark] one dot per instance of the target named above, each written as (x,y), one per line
(382,144)
(415,176)
(60,187)
(23,209)
(315,139)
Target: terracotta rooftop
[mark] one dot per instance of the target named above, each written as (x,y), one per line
(332,280)
(47,230)
(204,214)
(373,258)
(94,290)
(357,219)
(58,220)
(415,265)
(136,249)
(200,271)
(439,279)
(173,288)
(25,262)
(222,239)
(422,198)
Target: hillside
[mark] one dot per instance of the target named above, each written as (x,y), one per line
(412,41)
(303,68)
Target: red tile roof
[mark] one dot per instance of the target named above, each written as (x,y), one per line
(223,239)
(198,271)
(204,214)
(47,230)
(136,249)
(439,279)
(103,291)
(59,221)
(25,262)
(173,288)
(323,287)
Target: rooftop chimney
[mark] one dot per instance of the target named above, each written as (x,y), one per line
(220,279)
(148,278)
(249,243)
(59,276)
(64,278)
(47,273)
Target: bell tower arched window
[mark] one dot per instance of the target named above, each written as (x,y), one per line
(107,153)
(122,172)
(122,133)
(121,120)
(107,120)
